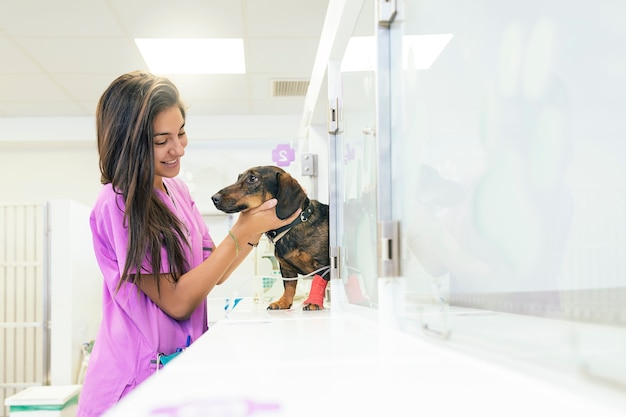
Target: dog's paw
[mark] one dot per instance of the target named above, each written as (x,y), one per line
(312,307)
(278,305)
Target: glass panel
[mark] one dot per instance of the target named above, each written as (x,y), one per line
(357,165)
(513,189)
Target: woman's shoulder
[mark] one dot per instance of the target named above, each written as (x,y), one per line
(109,197)
(108,192)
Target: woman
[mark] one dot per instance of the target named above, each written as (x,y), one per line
(150,241)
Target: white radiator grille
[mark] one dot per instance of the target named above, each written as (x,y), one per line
(289,88)
(24,357)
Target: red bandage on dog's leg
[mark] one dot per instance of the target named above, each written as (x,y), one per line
(318,288)
(353,290)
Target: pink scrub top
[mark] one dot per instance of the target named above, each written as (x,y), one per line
(133,330)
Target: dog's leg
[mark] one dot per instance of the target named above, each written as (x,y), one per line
(286,300)
(316,295)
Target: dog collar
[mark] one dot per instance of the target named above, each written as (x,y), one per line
(275,235)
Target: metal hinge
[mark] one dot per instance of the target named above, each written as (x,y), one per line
(335,124)
(334,262)
(388,254)
(387,10)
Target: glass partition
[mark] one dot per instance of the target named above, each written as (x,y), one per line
(508,127)
(355,159)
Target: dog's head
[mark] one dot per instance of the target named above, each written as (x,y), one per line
(257,185)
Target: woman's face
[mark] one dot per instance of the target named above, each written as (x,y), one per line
(170,141)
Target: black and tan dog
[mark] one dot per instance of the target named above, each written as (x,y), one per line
(301,247)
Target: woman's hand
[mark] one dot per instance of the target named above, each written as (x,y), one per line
(254,222)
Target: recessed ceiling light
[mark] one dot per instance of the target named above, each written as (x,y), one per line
(418,52)
(193,56)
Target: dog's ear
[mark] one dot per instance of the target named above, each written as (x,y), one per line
(290,195)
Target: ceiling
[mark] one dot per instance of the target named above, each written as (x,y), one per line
(58,56)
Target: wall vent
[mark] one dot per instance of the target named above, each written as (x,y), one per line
(289,88)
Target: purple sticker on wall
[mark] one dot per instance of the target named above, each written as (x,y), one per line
(283,155)
(349,154)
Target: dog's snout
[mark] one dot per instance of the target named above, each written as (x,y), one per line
(217,199)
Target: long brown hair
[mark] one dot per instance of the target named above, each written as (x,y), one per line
(124,122)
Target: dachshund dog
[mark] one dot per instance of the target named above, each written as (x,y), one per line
(301,247)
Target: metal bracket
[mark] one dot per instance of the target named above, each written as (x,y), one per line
(309,165)
(387,10)
(388,254)
(334,262)
(335,124)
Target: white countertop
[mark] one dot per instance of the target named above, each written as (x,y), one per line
(294,363)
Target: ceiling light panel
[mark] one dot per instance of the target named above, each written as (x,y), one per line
(193,56)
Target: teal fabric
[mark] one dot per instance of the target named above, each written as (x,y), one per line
(166,358)
(49,407)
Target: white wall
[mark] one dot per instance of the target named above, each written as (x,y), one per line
(49,158)
(36,173)
(75,288)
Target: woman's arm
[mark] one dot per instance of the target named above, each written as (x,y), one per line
(179,300)
(244,250)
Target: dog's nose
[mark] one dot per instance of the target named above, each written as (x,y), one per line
(216,199)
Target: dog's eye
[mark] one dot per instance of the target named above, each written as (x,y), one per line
(252,179)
